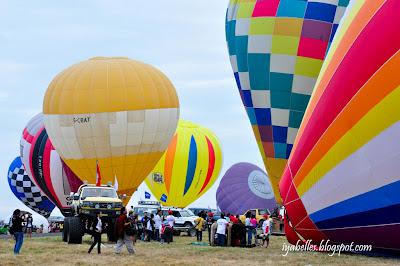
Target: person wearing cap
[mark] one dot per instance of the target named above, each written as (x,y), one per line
(265,231)
(210,221)
(171,221)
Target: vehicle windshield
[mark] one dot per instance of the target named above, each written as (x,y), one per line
(141,210)
(185,213)
(99,192)
(262,212)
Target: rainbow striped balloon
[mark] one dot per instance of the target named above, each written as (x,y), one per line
(276,49)
(188,168)
(342,181)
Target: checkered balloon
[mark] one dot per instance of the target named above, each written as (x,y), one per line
(277,48)
(26,191)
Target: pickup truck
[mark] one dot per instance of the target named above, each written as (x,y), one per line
(184,220)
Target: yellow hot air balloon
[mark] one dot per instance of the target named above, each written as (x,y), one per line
(189,167)
(114,113)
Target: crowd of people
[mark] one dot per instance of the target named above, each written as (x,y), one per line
(129,229)
(158,227)
(242,233)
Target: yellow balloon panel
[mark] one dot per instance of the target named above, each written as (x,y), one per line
(116,112)
(188,168)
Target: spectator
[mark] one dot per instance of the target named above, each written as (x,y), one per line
(221,230)
(132,231)
(96,228)
(157,225)
(16,230)
(122,224)
(29,225)
(171,222)
(249,228)
(210,221)
(266,231)
(254,224)
(149,228)
(199,226)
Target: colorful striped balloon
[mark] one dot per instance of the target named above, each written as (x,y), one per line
(45,167)
(188,168)
(277,48)
(342,181)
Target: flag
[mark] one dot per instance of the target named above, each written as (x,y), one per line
(164,198)
(147,195)
(115,183)
(98,176)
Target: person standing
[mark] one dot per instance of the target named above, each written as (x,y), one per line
(29,225)
(266,230)
(199,225)
(254,224)
(249,228)
(97,229)
(122,224)
(17,231)
(158,225)
(171,222)
(210,221)
(221,230)
(149,228)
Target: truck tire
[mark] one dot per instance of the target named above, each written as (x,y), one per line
(75,231)
(65,230)
(111,232)
(191,231)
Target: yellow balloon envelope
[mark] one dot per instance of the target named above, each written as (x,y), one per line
(116,113)
(189,167)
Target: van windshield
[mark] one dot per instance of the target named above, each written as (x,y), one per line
(99,192)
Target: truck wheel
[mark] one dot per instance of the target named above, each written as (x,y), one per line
(111,233)
(176,233)
(65,230)
(75,231)
(191,231)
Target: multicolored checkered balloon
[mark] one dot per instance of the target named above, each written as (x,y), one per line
(26,191)
(276,49)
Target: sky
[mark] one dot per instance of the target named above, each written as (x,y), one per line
(184,39)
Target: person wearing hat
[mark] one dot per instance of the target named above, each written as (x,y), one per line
(210,220)
(171,221)
(265,231)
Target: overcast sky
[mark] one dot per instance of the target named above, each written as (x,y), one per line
(185,39)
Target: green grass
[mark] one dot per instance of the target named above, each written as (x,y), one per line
(51,251)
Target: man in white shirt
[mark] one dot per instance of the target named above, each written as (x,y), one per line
(221,230)
(266,230)
(157,225)
(171,221)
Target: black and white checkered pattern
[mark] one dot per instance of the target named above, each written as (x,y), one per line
(32,195)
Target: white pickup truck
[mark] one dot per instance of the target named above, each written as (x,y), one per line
(184,220)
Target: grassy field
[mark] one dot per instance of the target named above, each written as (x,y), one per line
(51,251)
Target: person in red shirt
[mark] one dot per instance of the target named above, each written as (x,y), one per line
(122,224)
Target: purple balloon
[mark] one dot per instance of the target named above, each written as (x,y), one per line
(245,186)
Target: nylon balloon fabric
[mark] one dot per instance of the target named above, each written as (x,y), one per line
(342,180)
(276,49)
(188,168)
(25,190)
(245,186)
